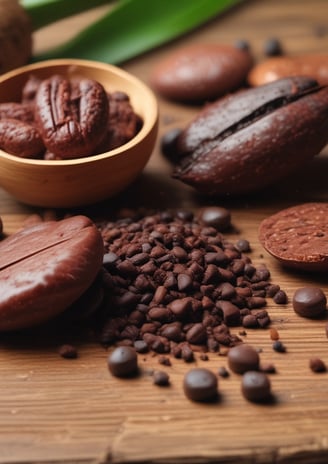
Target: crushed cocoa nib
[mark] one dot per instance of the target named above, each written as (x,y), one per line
(175,286)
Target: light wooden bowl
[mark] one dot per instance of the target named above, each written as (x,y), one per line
(82,181)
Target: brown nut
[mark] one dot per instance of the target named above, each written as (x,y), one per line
(200,72)
(45,268)
(21,111)
(123,122)
(314,65)
(20,138)
(253,138)
(72,116)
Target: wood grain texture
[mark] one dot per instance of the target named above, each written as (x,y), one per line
(54,410)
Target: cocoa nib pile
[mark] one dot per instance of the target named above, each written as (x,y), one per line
(175,286)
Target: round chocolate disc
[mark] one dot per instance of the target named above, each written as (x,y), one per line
(297,236)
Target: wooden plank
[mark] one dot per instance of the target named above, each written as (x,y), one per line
(72,411)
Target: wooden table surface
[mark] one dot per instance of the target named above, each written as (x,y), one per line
(72,411)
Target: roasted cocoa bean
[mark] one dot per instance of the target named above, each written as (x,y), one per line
(20,111)
(253,138)
(20,138)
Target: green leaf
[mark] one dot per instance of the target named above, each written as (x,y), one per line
(132,27)
(44,12)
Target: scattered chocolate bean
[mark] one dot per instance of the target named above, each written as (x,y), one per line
(243,358)
(123,362)
(256,386)
(280,297)
(278,346)
(271,290)
(215,216)
(242,44)
(317,365)
(200,384)
(164,360)
(310,302)
(161,378)
(272,47)
(223,372)
(243,245)
(68,351)
(268,368)
(141,346)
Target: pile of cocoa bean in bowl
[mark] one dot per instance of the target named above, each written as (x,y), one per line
(61,118)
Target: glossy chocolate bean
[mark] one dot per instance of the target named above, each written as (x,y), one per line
(253,138)
(200,384)
(215,216)
(313,65)
(256,386)
(46,267)
(201,72)
(123,362)
(272,47)
(310,302)
(243,358)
